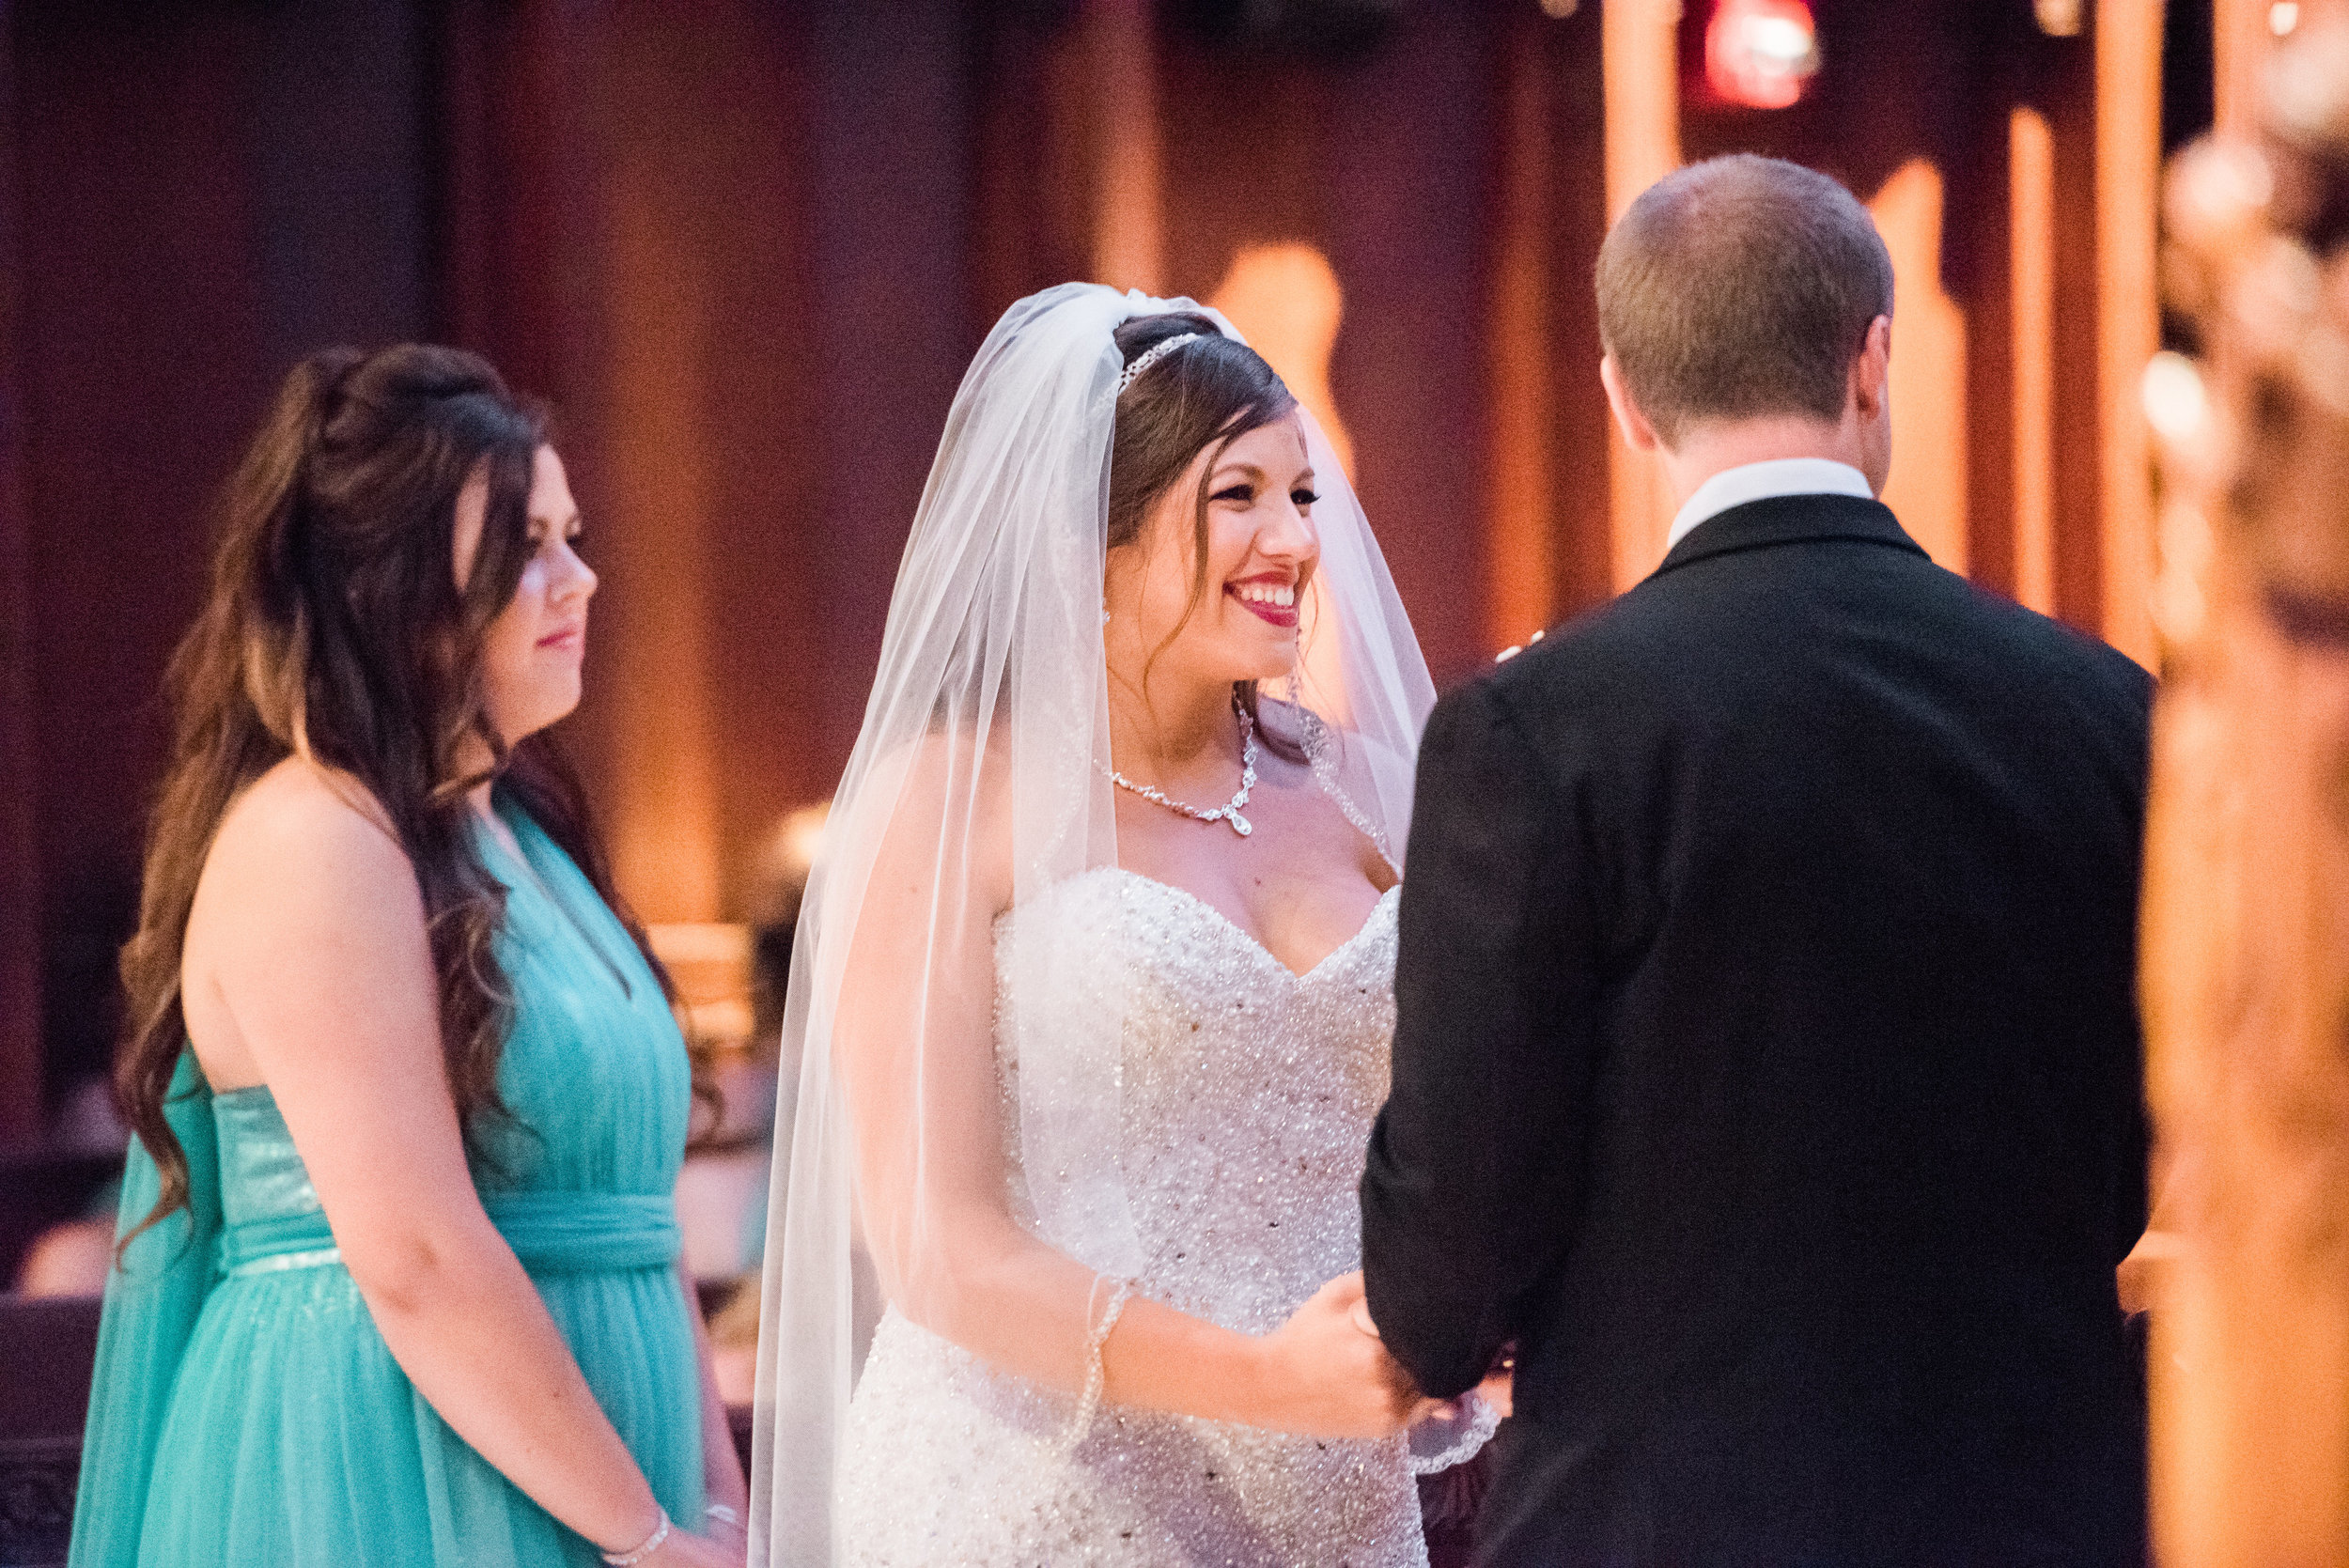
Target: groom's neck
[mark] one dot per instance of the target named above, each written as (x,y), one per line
(1717,446)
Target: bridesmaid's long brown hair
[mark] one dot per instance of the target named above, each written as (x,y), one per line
(334,629)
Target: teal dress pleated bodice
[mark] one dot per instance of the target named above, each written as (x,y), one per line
(245,1409)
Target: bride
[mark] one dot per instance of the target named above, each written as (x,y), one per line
(1094,994)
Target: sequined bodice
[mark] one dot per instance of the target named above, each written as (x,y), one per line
(1247,1090)
(1245,1095)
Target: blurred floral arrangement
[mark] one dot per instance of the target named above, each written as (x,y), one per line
(2246,952)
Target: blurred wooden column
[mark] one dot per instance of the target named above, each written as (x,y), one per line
(890,241)
(2032,362)
(20,861)
(693,454)
(1129,247)
(1926,486)
(1641,61)
(731,243)
(2065,93)
(2240,38)
(2245,955)
(2129,176)
(1521,573)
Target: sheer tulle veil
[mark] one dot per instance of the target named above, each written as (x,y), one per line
(987,737)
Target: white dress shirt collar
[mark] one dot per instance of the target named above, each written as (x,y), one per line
(1735,486)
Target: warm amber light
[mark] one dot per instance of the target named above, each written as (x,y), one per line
(2058,19)
(1640,62)
(1927,486)
(1286,303)
(1761,53)
(2176,402)
(2030,207)
(2128,327)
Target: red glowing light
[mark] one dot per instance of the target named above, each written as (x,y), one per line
(1761,53)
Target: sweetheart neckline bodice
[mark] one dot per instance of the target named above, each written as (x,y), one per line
(1204,1109)
(1216,918)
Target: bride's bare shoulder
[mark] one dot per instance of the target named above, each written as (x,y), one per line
(1306,754)
(941,798)
(945,763)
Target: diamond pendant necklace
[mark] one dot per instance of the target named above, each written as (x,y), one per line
(1230,813)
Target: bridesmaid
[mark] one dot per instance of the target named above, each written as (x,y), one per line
(397,1277)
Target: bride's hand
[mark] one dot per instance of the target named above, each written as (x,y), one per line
(1325,1377)
(682,1551)
(731,1537)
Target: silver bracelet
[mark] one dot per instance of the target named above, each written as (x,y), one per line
(651,1544)
(1089,1402)
(724,1515)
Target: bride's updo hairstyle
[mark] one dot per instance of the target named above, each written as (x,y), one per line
(1206,393)
(332,628)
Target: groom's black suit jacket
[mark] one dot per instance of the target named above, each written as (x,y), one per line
(1767,1068)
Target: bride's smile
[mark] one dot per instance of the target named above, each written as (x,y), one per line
(1239,517)
(1272,596)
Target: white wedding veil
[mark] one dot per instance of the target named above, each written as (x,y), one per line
(977,782)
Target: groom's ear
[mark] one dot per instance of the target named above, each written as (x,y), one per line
(1628,419)
(1871,377)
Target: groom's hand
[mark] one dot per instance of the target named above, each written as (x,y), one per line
(1499,1389)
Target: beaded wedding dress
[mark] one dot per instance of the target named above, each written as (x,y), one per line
(1034,1085)
(1248,1096)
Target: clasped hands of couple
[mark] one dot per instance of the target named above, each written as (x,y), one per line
(1362,1390)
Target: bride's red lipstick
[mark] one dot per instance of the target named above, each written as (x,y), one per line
(1282,616)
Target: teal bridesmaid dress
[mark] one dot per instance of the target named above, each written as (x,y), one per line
(245,1410)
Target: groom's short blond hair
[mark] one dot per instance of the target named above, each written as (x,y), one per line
(1738,286)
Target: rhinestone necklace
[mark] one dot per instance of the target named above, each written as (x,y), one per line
(1230,813)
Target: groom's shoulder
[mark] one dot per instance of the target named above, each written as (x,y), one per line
(1620,641)
(1595,661)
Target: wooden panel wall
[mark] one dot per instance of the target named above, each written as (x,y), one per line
(202,193)
(2018,453)
(746,250)
(19,857)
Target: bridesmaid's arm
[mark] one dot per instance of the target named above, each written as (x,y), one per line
(316,972)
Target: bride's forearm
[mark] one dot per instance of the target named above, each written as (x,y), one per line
(1027,1308)
(1322,1373)
(1022,1306)
(1159,1358)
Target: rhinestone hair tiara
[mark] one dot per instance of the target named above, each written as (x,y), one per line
(1150,356)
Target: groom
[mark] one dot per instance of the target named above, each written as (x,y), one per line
(1767,1069)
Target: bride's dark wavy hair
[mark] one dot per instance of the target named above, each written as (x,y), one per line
(1207,394)
(334,629)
